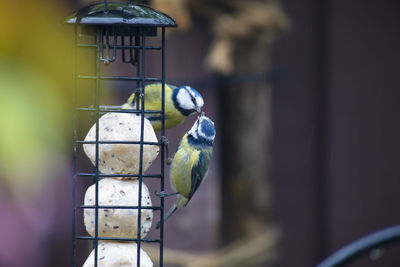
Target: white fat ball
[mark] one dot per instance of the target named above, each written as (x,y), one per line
(114,254)
(121,158)
(121,223)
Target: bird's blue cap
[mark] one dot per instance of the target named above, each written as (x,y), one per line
(207,127)
(203,131)
(194,90)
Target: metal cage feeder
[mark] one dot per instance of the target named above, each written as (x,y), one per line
(119,31)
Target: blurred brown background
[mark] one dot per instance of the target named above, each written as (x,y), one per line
(335,148)
(307,129)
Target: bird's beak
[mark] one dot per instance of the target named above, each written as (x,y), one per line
(198,109)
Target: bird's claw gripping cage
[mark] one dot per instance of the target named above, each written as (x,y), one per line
(120,30)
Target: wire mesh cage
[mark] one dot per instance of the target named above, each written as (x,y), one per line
(116,33)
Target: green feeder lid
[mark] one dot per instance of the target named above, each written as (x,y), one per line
(120,13)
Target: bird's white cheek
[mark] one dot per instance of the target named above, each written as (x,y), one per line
(193,130)
(194,134)
(199,101)
(184,100)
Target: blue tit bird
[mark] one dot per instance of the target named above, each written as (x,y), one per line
(180,102)
(190,163)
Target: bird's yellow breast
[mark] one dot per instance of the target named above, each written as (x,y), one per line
(181,171)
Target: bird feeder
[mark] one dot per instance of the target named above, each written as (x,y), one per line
(117,33)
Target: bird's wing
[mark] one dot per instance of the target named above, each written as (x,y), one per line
(153,95)
(199,171)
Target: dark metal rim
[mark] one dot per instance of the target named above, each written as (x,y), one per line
(357,248)
(117,19)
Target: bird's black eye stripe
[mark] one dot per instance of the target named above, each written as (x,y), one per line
(192,97)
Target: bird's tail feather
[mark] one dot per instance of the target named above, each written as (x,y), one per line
(131,103)
(106,107)
(169,213)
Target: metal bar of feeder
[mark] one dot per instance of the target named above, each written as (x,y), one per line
(143,74)
(147,240)
(123,49)
(114,45)
(96,168)
(122,46)
(131,54)
(163,145)
(83,174)
(74,137)
(117,142)
(118,207)
(105,6)
(119,78)
(106,110)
